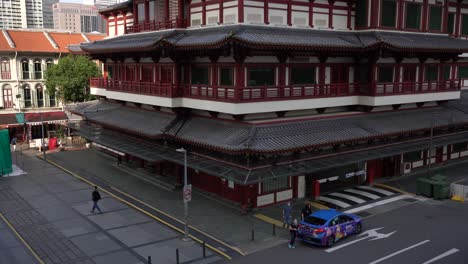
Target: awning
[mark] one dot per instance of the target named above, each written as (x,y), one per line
(35,119)
(152,152)
(9,120)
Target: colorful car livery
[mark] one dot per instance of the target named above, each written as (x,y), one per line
(325,227)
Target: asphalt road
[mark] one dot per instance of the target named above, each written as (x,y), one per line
(423,231)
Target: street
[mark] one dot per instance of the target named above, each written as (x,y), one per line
(421,232)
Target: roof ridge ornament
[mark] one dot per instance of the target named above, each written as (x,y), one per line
(51,40)
(8,38)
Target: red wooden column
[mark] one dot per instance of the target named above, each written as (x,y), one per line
(371,164)
(321,81)
(316,189)
(422,60)
(330,13)
(166,10)
(442,83)
(289,15)
(124,14)
(214,75)
(180,12)
(458,19)
(348,15)
(397,73)
(311,13)
(424,13)
(221,12)
(203,12)
(374,10)
(241,11)
(282,58)
(373,82)
(116,21)
(445,17)
(266,15)
(400,6)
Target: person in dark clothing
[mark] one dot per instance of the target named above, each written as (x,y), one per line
(293,231)
(96,196)
(306,211)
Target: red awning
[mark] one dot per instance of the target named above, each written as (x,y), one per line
(47,117)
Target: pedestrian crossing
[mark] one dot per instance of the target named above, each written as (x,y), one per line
(354,196)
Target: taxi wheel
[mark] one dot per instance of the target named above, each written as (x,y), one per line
(330,241)
(358,229)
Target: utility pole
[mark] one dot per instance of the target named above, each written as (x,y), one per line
(42,139)
(430,147)
(186,229)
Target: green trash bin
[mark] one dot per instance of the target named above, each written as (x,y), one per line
(424,187)
(439,178)
(441,190)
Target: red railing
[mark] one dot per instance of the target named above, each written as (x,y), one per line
(417,87)
(146,88)
(6,75)
(157,25)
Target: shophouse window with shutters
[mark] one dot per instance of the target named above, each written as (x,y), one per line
(261,76)
(27,96)
(200,75)
(388,13)
(302,75)
(5,68)
(25,69)
(226,76)
(385,74)
(413,16)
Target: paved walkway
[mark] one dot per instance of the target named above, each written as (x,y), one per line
(12,250)
(50,209)
(206,215)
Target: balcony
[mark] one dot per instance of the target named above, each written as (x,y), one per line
(157,25)
(144,88)
(6,75)
(417,87)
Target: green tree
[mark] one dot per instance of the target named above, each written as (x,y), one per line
(69,79)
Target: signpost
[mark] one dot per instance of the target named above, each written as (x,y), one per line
(187,193)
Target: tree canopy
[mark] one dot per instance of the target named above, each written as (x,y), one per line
(69,79)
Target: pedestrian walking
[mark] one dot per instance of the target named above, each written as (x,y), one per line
(293,231)
(13,143)
(287,215)
(306,211)
(96,196)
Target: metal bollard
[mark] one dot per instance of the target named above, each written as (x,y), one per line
(253,235)
(204,249)
(274,229)
(177,255)
(149,259)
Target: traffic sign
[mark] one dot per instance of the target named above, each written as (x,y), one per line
(187,193)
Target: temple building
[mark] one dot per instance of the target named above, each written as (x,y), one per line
(277,100)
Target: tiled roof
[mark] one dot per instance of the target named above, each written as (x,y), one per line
(4,45)
(268,37)
(232,136)
(95,37)
(34,41)
(65,39)
(46,116)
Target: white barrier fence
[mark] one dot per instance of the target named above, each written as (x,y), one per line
(459,190)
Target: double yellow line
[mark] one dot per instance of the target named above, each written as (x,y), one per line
(22,239)
(155,217)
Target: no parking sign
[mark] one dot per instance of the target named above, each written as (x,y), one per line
(187,193)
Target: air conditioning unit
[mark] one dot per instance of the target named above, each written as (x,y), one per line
(406,167)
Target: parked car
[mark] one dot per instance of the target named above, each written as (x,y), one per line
(325,227)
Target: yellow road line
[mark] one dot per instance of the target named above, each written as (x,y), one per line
(317,205)
(22,239)
(268,220)
(393,188)
(149,214)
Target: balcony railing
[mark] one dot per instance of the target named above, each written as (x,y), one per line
(157,25)
(146,88)
(273,93)
(6,75)
(417,87)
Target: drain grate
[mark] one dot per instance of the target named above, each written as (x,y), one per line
(409,200)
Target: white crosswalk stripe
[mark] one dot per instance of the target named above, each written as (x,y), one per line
(347,196)
(363,193)
(333,201)
(375,189)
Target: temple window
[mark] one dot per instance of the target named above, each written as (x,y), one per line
(435,18)
(413,16)
(261,76)
(200,75)
(388,13)
(226,76)
(302,75)
(385,74)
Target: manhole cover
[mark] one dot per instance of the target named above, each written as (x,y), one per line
(409,200)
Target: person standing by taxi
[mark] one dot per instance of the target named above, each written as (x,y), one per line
(293,231)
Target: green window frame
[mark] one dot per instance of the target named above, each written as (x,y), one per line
(385,74)
(464,30)
(302,75)
(413,16)
(432,72)
(435,18)
(261,76)
(463,72)
(450,23)
(388,12)
(226,76)
(200,75)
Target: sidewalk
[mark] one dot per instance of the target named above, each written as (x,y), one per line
(50,209)
(206,215)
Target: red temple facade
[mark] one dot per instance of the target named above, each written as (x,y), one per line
(272,98)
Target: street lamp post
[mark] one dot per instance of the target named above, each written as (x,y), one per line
(186,229)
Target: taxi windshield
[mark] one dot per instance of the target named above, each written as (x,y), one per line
(315,220)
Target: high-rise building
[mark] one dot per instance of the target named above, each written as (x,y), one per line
(101,3)
(77,18)
(15,14)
